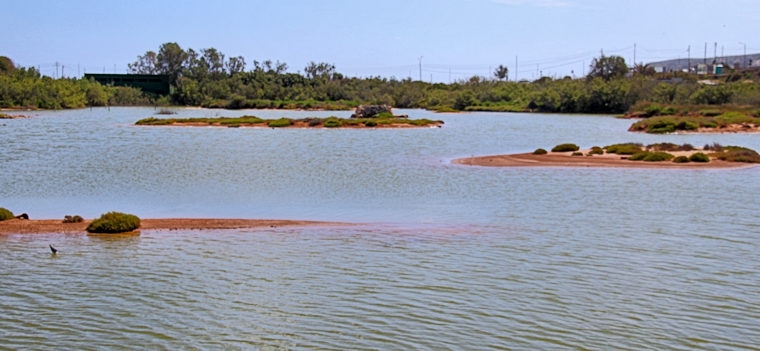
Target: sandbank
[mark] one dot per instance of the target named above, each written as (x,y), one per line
(46,226)
(565,159)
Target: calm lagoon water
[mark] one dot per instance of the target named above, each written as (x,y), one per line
(444,256)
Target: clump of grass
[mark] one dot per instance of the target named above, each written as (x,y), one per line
(596,150)
(699,157)
(332,122)
(681,159)
(370,124)
(577,153)
(710,112)
(540,151)
(73,219)
(280,123)
(670,147)
(565,148)
(114,222)
(738,154)
(624,149)
(5,214)
(647,156)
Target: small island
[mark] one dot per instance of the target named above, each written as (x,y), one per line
(371,116)
(628,155)
(659,119)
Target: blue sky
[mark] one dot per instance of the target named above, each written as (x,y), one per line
(455,39)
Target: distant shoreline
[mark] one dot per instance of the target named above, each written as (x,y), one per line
(56,226)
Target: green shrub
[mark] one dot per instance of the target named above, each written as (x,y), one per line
(669,111)
(73,219)
(332,122)
(577,153)
(5,214)
(280,123)
(595,150)
(114,222)
(738,154)
(370,124)
(681,159)
(699,157)
(710,113)
(540,152)
(624,149)
(647,156)
(384,114)
(565,148)
(653,110)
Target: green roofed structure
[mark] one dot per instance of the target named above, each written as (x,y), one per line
(151,83)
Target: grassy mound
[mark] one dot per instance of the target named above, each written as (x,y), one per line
(624,149)
(540,152)
(114,222)
(5,214)
(565,148)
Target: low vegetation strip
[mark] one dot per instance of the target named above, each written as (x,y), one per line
(330,122)
(661,120)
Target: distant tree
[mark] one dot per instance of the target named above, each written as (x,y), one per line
(235,65)
(6,65)
(643,69)
(171,60)
(319,70)
(501,72)
(145,64)
(608,67)
(213,61)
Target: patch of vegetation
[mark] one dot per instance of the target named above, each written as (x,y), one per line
(370,124)
(540,152)
(114,222)
(280,123)
(72,219)
(596,150)
(332,123)
(5,214)
(670,124)
(681,159)
(577,153)
(565,148)
(699,157)
(670,147)
(624,149)
(737,154)
(647,156)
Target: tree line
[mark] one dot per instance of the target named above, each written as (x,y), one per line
(209,78)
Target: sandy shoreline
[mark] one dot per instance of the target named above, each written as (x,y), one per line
(565,159)
(50,226)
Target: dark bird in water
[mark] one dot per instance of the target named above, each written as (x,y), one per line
(52,249)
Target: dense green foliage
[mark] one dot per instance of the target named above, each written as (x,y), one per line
(624,149)
(5,214)
(540,152)
(649,156)
(565,148)
(114,222)
(705,119)
(682,159)
(209,78)
(699,157)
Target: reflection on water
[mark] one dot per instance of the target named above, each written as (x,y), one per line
(452,257)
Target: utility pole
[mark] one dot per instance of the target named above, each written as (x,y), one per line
(634,54)
(715,53)
(688,64)
(515,68)
(705,62)
(63,67)
(744,59)
(420,59)
(56,69)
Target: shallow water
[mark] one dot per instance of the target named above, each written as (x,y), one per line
(446,257)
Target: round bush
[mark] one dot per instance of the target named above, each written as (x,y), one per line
(565,148)
(540,152)
(279,123)
(114,222)
(5,214)
(332,123)
(623,149)
(681,159)
(596,151)
(658,156)
(699,157)
(370,124)
(577,153)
